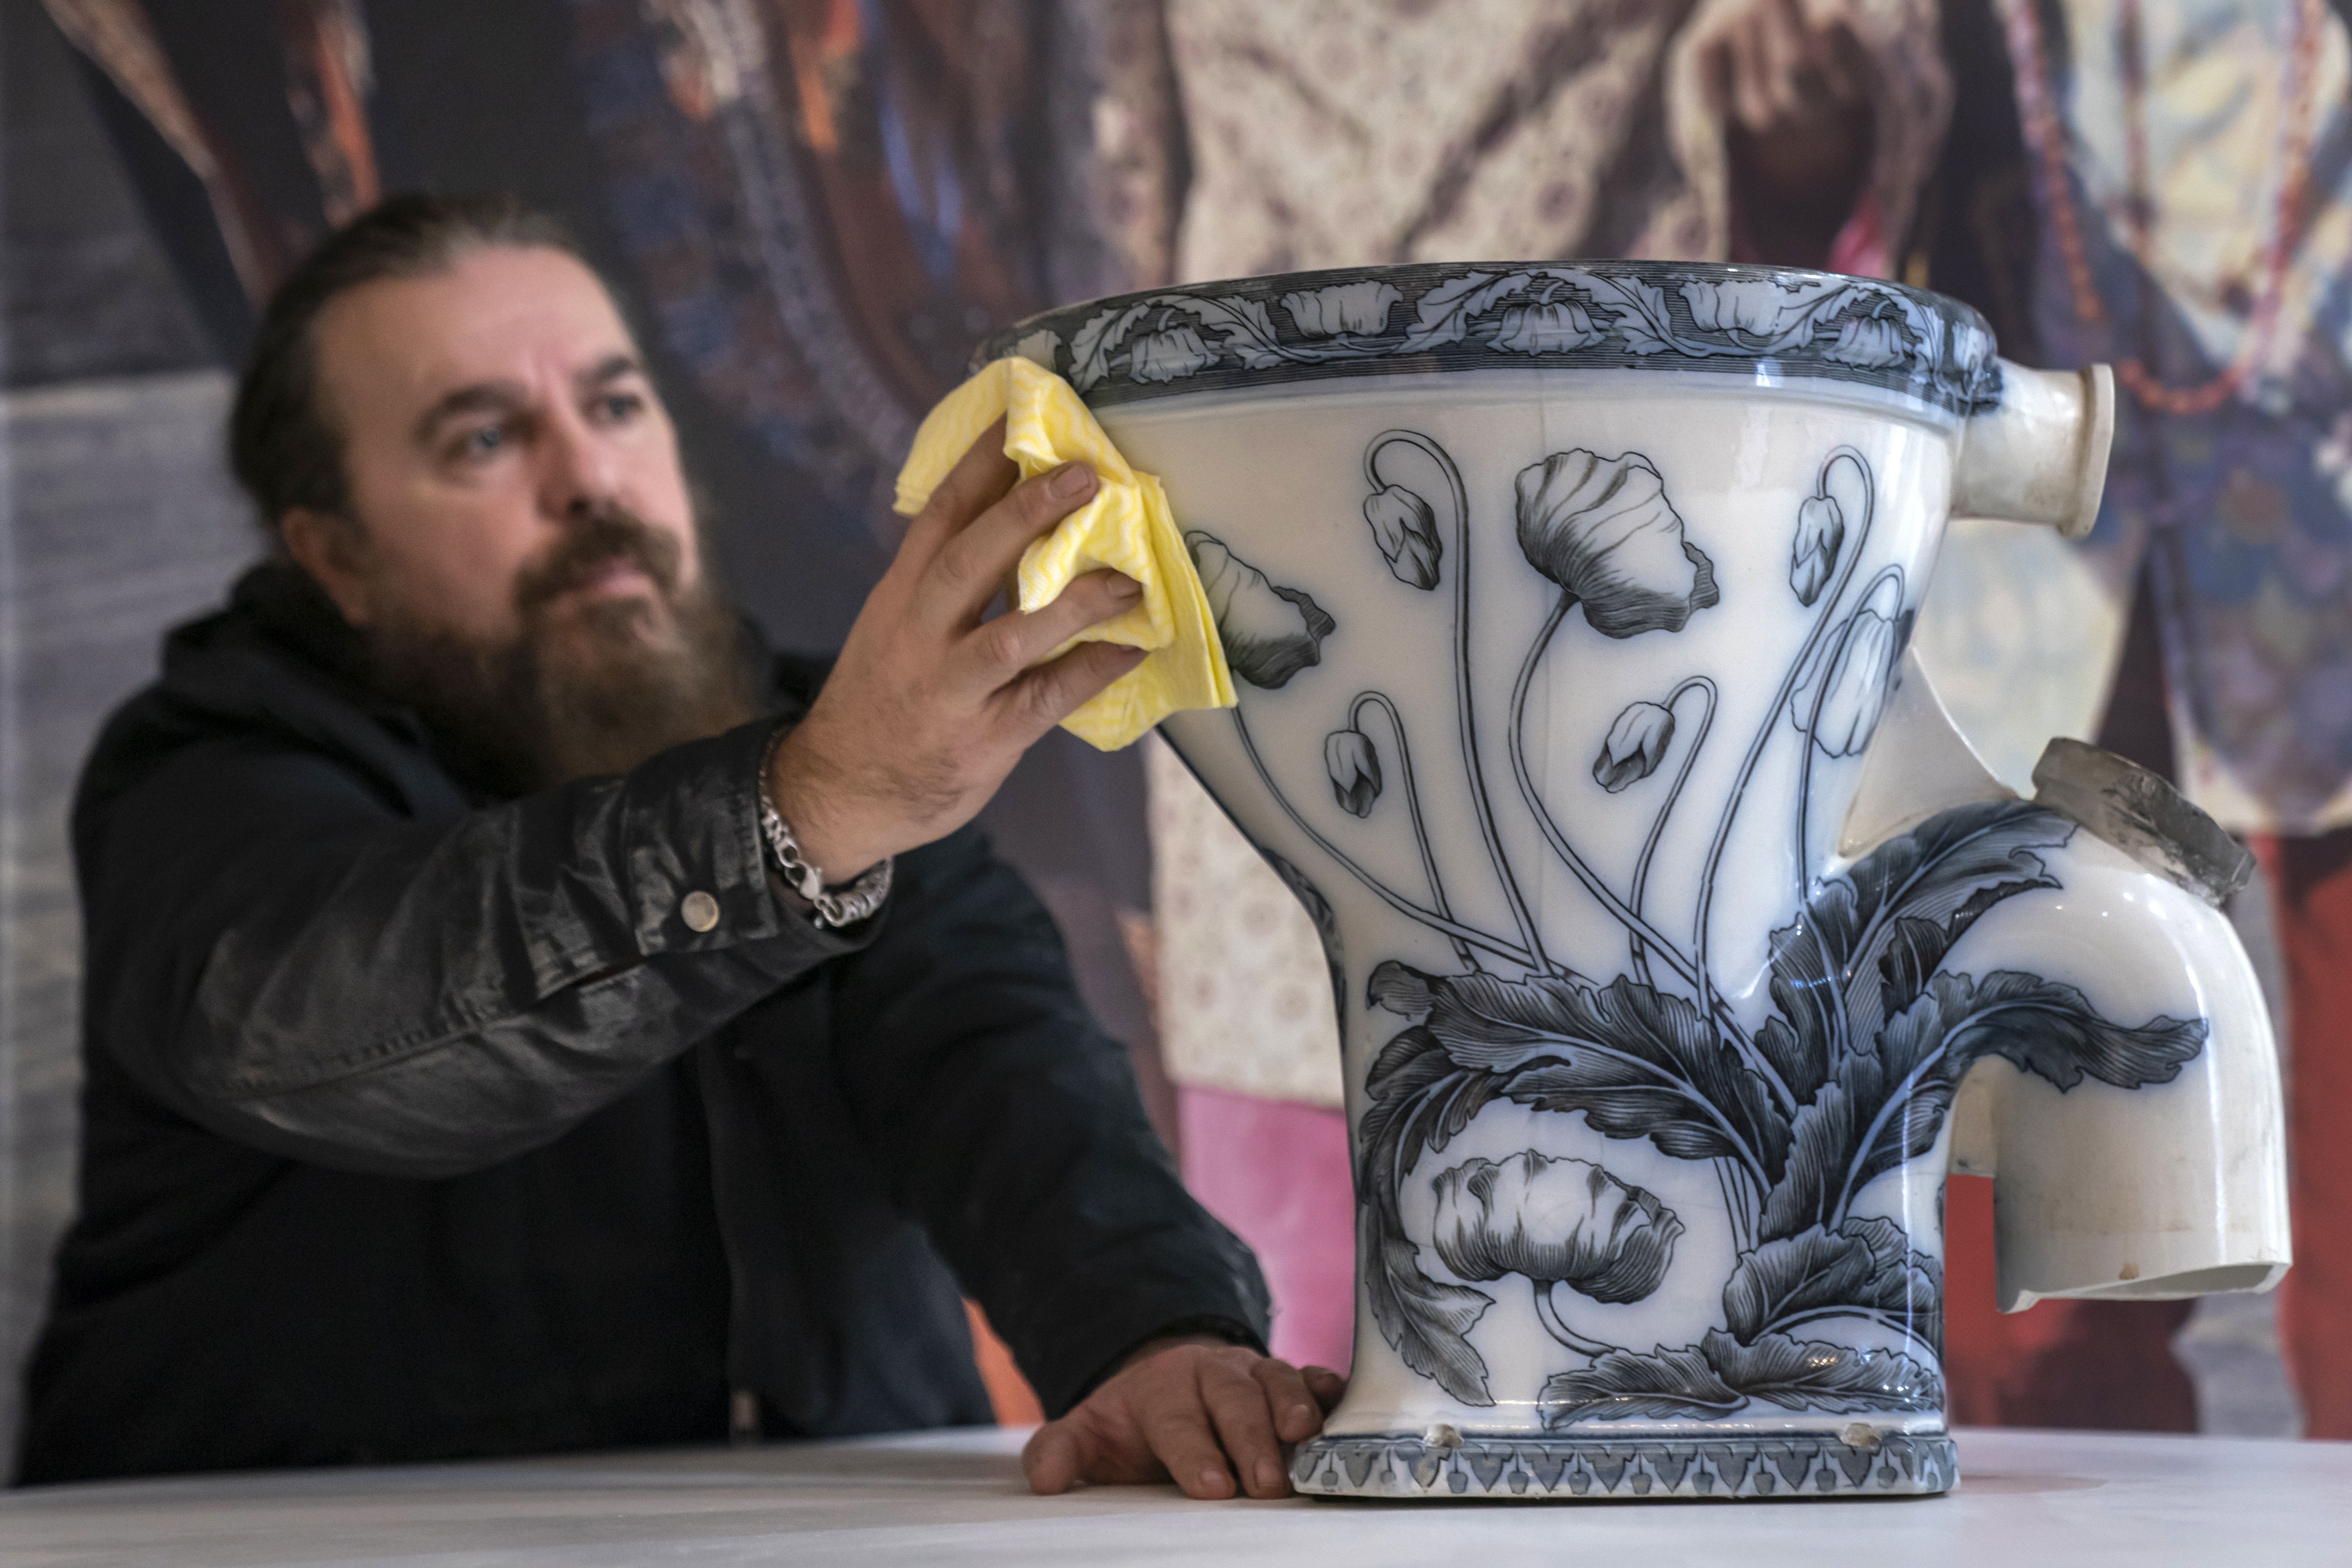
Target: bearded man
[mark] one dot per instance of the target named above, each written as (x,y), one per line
(525,1015)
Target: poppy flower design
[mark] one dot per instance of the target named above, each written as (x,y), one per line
(1821,534)
(1869,342)
(1269,634)
(1406,530)
(1555,1221)
(1602,529)
(1637,743)
(1355,768)
(1546,326)
(1360,308)
(1858,685)
(1753,306)
(1174,352)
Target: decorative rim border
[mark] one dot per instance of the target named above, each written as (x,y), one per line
(1601,315)
(1798,1465)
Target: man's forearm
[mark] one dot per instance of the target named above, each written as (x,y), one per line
(426,999)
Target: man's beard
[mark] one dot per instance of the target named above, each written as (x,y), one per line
(622,680)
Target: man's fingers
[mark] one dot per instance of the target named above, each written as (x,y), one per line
(1176,1428)
(1051,692)
(1237,1404)
(1011,643)
(967,570)
(978,481)
(1298,1415)
(1055,1456)
(1327,1386)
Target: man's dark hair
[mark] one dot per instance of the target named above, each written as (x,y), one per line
(284,447)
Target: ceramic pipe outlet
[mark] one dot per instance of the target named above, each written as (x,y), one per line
(2040,454)
(2179,1190)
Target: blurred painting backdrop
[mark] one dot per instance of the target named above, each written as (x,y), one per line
(811,209)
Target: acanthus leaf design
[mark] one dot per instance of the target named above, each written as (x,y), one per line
(1719,1376)
(1889,1100)
(1443,315)
(1639,1062)
(1419,1101)
(1864,1269)
(1904,904)
(1622,1384)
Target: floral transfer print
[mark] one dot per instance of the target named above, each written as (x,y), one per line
(1828,1306)
(1262,331)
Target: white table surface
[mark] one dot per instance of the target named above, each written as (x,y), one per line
(2026,1498)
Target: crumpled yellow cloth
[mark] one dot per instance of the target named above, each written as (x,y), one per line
(1126,527)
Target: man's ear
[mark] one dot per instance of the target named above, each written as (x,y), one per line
(329,549)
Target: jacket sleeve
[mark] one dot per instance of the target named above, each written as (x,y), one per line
(280,954)
(1011,1126)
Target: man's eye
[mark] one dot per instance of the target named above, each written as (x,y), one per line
(620,405)
(486,442)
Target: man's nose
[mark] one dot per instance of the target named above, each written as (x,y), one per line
(579,471)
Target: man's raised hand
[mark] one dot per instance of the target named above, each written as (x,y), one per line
(931,701)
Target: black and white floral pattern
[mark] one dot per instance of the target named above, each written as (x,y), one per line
(1386,320)
(1829,1306)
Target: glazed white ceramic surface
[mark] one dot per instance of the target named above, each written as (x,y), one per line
(1679,943)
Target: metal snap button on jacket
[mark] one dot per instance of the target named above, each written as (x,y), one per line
(699,911)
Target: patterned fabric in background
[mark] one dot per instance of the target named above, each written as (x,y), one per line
(2242,514)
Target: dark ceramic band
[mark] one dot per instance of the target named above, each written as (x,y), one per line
(1772,323)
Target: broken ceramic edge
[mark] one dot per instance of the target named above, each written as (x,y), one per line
(2136,811)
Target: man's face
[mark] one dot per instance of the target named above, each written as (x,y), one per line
(520,557)
(487,413)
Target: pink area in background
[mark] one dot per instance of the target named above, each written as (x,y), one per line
(1275,1172)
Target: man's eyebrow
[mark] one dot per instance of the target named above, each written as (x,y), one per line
(610,369)
(482,396)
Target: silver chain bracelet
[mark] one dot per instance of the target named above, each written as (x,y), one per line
(833,907)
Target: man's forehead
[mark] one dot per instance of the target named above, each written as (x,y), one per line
(526,316)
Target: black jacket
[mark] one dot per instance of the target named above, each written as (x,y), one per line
(419,1124)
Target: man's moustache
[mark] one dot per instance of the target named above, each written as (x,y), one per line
(591,548)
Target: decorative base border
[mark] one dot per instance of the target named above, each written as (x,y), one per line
(1793,1464)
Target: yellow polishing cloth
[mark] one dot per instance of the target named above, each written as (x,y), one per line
(1126,527)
